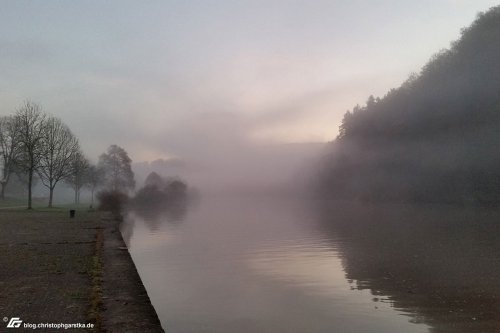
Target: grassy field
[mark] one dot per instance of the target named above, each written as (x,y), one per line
(12,202)
(40,205)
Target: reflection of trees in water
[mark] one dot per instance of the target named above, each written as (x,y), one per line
(127,230)
(438,263)
(161,200)
(154,215)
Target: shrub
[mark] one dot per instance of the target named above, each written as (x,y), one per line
(113,201)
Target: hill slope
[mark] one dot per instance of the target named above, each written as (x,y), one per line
(436,138)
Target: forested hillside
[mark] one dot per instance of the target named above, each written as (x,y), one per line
(434,139)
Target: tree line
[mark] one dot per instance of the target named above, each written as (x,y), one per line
(35,145)
(433,139)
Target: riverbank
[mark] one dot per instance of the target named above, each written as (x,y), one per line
(70,271)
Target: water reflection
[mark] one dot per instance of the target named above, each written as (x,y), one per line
(254,265)
(440,263)
(154,217)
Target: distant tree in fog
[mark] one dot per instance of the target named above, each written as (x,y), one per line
(30,122)
(154,179)
(117,170)
(58,148)
(77,177)
(18,184)
(159,192)
(176,189)
(94,179)
(9,136)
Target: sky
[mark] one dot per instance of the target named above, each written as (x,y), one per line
(212,78)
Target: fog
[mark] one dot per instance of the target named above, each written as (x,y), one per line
(240,94)
(217,157)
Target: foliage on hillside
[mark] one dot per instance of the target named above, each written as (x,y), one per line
(435,138)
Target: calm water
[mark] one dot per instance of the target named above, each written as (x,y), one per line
(268,265)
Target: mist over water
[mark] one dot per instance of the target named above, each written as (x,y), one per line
(218,157)
(267,264)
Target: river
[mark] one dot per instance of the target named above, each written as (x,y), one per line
(243,264)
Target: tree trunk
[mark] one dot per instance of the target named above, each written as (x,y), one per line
(92,199)
(76,196)
(51,195)
(2,192)
(30,181)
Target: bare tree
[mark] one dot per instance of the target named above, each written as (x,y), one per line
(94,179)
(59,146)
(30,121)
(78,173)
(8,150)
(116,165)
